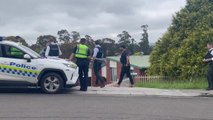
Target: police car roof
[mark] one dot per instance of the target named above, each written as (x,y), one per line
(9,42)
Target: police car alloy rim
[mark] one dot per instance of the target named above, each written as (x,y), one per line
(52,84)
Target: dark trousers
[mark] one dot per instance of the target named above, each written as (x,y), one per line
(97,70)
(210,76)
(125,70)
(83,65)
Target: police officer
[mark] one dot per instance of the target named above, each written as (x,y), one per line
(82,54)
(209,59)
(52,50)
(98,59)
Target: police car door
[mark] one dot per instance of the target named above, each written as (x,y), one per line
(14,69)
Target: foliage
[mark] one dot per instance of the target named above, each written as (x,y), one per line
(69,40)
(67,48)
(75,36)
(124,38)
(181,49)
(36,48)
(109,47)
(176,84)
(144,44)
(17,39)
(90,41)
(64,36)
(44,39)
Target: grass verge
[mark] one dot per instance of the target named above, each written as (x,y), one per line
(175,84)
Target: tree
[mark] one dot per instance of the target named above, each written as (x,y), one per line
(36,48)
(75,36)
(109,47)
(67,48)
(134,47)
(128,41)
(108,40)
(90,41)
(17,39)
(64,35)
(125,38)
(180,51)
(44,39)
(144,44)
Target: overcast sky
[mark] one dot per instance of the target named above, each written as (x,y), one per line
(97,18)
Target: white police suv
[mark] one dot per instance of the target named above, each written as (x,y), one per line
(21,66)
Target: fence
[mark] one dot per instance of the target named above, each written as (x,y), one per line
(150,79)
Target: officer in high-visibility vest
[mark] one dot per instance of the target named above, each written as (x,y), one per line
(82,53)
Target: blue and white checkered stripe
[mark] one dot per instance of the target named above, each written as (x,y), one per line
(18,72)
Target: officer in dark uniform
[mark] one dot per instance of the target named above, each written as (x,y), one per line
(98,60)
(52,50)
(82,54)
(209,59)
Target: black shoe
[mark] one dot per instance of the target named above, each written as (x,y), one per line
(83,90)
(103,85)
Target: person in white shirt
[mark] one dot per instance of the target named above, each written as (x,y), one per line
(98,59)
(209,59)
(53,50)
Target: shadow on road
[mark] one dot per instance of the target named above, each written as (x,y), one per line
(20,90)
(30,91)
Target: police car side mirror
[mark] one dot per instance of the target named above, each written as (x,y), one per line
(27,57)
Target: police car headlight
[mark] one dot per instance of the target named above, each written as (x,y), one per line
(70,65)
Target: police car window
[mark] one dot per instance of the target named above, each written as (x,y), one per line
(31,51)
(12,52)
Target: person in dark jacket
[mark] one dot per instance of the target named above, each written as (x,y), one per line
(125,70)
(209,59)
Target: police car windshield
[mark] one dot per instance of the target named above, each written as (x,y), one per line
(31,51)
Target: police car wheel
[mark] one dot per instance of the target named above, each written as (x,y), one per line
(52,83)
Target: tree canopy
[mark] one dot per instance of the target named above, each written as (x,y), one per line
(144,44)
(124,38)
(44,39)
(64,36)
(68,40)
(180,51)
(17,39)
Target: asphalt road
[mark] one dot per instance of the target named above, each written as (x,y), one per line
(30,104)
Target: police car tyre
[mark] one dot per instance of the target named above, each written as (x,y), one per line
(52,83)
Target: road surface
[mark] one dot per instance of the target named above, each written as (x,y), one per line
(30,104)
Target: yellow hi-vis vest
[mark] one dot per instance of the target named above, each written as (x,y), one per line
(81,51)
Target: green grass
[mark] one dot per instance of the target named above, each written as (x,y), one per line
(178,84)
